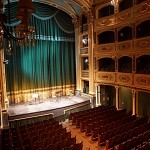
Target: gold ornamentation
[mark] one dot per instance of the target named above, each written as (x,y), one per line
(143,81)
(124,46)
(143,43)
(124,78)
(145,8)
(123,16)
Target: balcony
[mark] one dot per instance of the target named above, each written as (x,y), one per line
(104,48)
(85,74)
(135,45)
(139,81)
(126,16)
(84,51)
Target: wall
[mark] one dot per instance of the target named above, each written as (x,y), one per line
(125,98)
(143,104)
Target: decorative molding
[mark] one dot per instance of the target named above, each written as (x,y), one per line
(136,81)
(85,74)
(104,48)
(84,50)
(142,43)
(124,16)
(142,9)
(105,77)
(143,80)
(130,46)
(124,46)
(76,22)
(124,78)
(107,21)
(121,18)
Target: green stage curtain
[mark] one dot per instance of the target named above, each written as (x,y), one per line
(51,62)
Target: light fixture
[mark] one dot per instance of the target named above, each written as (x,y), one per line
(85,40)
(86,60)
(23,34)
(24,31)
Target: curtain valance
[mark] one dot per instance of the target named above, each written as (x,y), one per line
(42,12)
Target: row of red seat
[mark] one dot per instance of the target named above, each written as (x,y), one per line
(44,135)
(88,119)
(100,125)
(72,116)
(112,127)
(132,130)
(144,146)
(135,142)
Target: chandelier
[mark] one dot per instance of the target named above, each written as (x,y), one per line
(24,35)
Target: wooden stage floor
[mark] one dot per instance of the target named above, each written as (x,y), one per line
(56,106)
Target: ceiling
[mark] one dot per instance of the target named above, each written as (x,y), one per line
(73,7)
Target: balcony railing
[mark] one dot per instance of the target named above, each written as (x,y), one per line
(85,74)
(104,48)
(139,81)
(134,45)
(84,50)
(122,17)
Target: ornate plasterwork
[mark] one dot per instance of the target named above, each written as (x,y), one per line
(104,48)
(107,21)
(120,19)
(105,77)
(125,46)
(142,81)
(124,16)
(142,9)
(124,78)
(142,43)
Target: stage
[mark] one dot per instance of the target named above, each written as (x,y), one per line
(56,106)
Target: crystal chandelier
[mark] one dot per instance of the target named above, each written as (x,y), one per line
(24,34)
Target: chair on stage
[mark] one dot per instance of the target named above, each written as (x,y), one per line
(34,98)
(59,94)
(54,96)
(70,94)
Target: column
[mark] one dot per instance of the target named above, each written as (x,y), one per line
(117,97)
(116,5)
(96,93)
(136,103)
(3,98)
(90,51)
(99,96)
(133,64)
(77,53)
(133,101)
(116,65)
(2,81)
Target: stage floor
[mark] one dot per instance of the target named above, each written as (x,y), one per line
(51,105)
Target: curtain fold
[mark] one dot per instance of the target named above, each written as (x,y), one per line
(51,62)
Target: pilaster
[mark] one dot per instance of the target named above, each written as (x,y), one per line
(77,53)
(117,97)
(133,101)
(90,16)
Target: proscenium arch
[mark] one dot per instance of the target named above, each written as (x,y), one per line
(66,6)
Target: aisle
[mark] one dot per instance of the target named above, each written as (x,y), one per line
(88,144)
